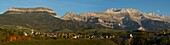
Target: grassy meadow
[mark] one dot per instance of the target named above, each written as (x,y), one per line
(62,42)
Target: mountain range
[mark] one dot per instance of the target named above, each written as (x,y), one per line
(41,18)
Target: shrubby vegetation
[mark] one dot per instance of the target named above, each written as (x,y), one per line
(121,37)
(62,42)
(44,21)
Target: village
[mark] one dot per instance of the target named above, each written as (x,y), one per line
(90,36)
(68,35)
(118,36)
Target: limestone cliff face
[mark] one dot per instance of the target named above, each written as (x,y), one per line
(69,16)
(42,19)
(121,19)
(30,11)
(127,19)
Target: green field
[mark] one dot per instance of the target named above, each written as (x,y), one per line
(62,42)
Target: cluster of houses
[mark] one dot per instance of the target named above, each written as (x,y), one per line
(86,36)
(67,35)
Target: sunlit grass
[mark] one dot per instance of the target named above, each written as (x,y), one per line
(62,42)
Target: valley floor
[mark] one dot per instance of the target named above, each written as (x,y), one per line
(84,37)
(62,42)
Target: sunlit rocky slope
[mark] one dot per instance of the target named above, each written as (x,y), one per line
(41,18)
(126,19)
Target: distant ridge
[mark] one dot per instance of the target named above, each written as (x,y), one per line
(41,18)
(30,10)
(126,19)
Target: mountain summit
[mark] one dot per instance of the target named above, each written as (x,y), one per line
(41,19)
(126,19)
(30,10)
(120,19)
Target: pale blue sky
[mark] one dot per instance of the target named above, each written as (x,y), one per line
(82,6)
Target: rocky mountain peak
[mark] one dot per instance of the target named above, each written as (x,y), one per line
(30,11)
(129,9)
(152,14)
(68,15)
(126,18)
(111,10)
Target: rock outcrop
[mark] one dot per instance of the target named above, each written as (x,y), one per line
(41,19)
(30,10)
(126,19)
(119,19)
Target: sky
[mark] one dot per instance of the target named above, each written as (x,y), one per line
(83,6)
